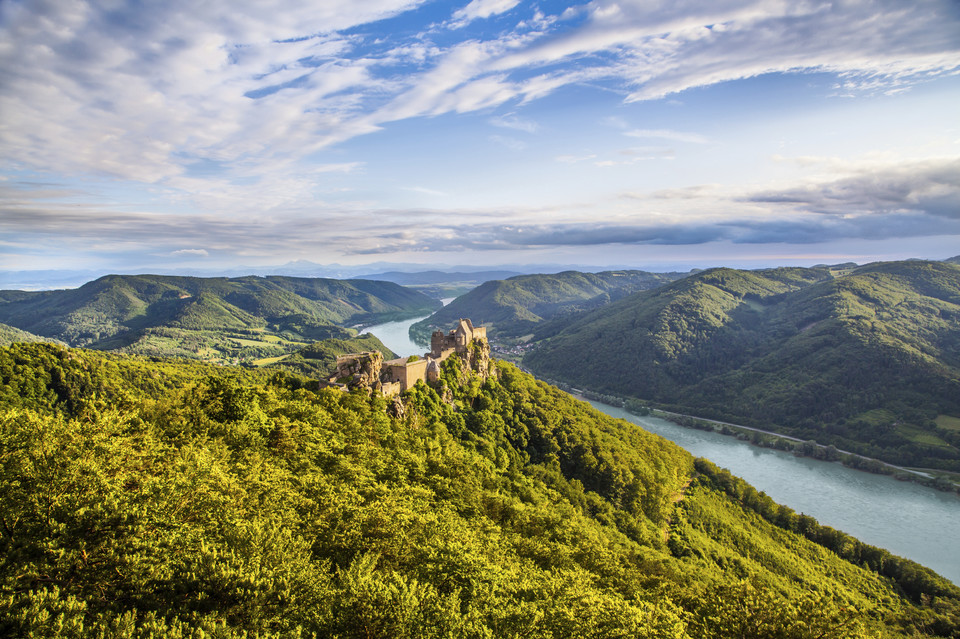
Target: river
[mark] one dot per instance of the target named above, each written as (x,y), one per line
(907,519)
(396,335)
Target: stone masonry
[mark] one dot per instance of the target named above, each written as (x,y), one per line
(396,376)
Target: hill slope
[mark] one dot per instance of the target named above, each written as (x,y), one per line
(440,284)
(865,361)
(319,359)
(231,502)
(212,318)
(513,306)
(10,335)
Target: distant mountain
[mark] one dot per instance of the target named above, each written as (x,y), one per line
(46,279)
(441,284)
(953,260)
(517,304)
(423,278)
(208,318)
(868,361)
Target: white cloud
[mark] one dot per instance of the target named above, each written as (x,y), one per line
(190,253)
(482,9)
(145,92)
(130,90)
(513,121)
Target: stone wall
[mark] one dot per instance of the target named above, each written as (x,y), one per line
(398,375)
(405,372)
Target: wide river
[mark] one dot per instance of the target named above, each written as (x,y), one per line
(907,519)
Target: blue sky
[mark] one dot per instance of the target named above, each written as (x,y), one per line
(159,135)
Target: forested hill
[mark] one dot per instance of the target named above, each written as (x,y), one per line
(868,360)
(515,305)
(153,498)
(190,316)
(10,335)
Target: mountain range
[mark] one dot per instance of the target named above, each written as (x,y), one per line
(513,306)
(864,358)
(208,318)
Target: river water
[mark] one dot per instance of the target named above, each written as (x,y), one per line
(396,336)
(907,519)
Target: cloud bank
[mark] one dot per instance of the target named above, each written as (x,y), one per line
(895,202)
(142,91)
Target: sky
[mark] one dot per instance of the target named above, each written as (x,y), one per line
(156,135)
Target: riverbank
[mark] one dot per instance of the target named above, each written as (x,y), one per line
(933,478)
(904,517)
(938,479)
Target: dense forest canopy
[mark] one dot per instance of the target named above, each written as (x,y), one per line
(143,497)
(866,358)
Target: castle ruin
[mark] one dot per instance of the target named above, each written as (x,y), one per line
(398,375)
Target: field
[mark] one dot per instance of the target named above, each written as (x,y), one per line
(948,422)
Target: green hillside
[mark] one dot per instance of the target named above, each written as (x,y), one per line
(513,306)
(237,319)
(440,284)
(319,358)
(10,335)
(156,498)
(865,361)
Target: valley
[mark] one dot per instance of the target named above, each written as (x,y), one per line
(866,360)
(247,320)
(905,517)
(671,523)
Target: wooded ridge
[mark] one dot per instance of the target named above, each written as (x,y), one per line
(143,497)
(866,359)
(513,306)
(221,319)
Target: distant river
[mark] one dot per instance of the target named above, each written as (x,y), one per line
(907,519)
(396,335)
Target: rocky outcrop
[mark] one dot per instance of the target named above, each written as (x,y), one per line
(358,370)
(477,357)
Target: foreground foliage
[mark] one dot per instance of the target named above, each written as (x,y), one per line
(152,498)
